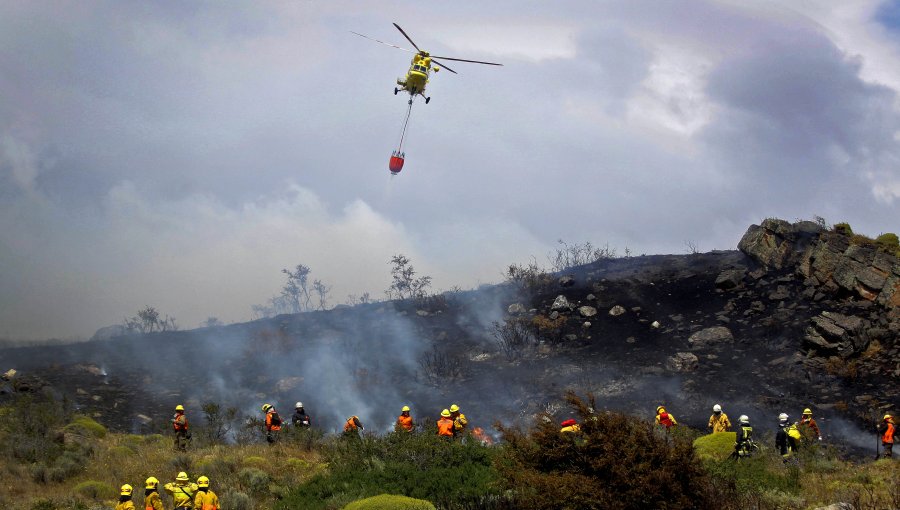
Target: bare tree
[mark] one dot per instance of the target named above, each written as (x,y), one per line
(692,247)
(296,289)
(578,254)
(405,285)
(321,291)
(148,320)
(262,311)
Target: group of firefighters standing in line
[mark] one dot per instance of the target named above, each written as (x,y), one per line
(187,495)
(787,439)
(453,423)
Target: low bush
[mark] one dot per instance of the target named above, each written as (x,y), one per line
(888,243)
(96,490)
(715,446)
(843,228)
(616,462)
(255,480)
(451,474)
(235,500)
(389,502)
(861,240)
(86,426)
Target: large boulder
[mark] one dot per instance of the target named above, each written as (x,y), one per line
(587,311)
(711,336)
(516,309)
(683,362)
(560,303)
(617,310)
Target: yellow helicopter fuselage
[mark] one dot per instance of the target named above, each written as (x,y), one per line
(417,77)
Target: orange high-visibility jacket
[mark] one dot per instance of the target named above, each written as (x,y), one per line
(269,424)
(888,437)
(180,422)
(445,427)
(352,424)
(405,422)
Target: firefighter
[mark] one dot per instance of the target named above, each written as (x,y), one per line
(460,422)
(888,431)
(808,425)
(300,418)
(404,421)
(205,498)
(445,425)
(664,418)
(182,491)
(570,426)
(273,422)
(152,501)
(718,421)
(180,425)
(743,446)
(787,440)
(353,426)
(125,502)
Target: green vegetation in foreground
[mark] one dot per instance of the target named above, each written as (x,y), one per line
(388,502)
(54,461)
(451,474)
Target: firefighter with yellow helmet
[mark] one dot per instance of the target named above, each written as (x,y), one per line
(125,502)
(182,491)
(205,498)
(152,501)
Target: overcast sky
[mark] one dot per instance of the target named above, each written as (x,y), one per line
(179,154)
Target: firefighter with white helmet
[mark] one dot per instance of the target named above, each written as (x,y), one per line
(718,421)
(300,418)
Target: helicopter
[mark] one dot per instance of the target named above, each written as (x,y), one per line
(420,68)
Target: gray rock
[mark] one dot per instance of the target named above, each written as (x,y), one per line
(566,281)
(730,278)
(586,325)
(655,324)
(616,311)
(711,336)
(683,362)
(515,309)
(554,316)
(587,311)
(591,297)
(571,338)
(781,293)
(560,303)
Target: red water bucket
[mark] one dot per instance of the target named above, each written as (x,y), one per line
(396,163)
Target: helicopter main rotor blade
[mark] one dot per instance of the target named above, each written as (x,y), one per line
(443,66)
(472,61)
(382,42)
(407,37)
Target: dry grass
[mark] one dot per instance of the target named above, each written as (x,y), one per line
(121,458)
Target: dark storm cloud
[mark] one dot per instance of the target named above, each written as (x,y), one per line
(181,154)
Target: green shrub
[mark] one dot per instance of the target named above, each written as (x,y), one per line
(450,474)
(255,461)
(616,458)
(843,228)
(388,502)
(715,446)
(86,426)
(255,480)
(96,490)
(180,462)
(235,500)
(889,243)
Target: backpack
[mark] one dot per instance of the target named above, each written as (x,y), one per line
(276,420)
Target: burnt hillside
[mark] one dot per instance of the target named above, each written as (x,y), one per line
(773,328)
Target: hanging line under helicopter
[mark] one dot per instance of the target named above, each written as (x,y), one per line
(398,156)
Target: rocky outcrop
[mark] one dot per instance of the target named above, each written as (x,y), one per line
(835,333)
(830,261)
